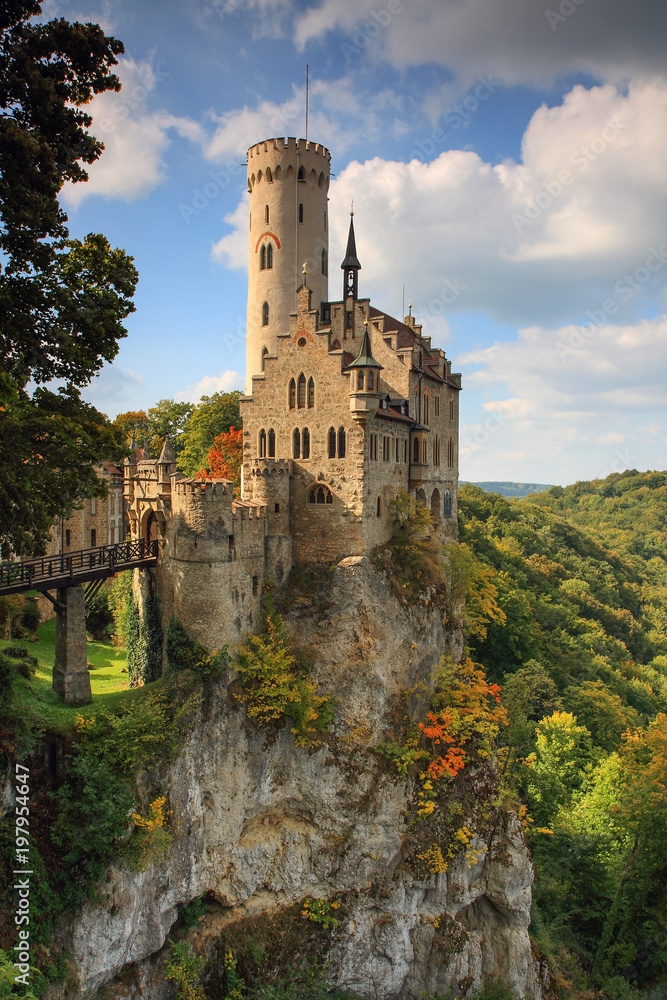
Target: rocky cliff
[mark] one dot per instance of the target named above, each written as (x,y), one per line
(260,824)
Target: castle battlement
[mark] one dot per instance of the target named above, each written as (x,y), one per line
(270,467)
(289,143)
(209,489)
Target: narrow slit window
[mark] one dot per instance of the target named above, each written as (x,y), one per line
(341,442)
(265,314)
(262,257)
(269,255)
(300,211)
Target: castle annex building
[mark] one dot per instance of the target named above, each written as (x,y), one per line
(345,408)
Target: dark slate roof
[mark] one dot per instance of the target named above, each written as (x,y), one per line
(351,259)
(365,359)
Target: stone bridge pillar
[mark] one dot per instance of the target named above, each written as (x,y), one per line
(71,679)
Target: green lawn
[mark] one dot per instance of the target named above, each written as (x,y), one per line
(36,701)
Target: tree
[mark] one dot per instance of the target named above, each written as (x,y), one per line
(62,301)
(132,424)
(168,419)
(213,415)
(225,458)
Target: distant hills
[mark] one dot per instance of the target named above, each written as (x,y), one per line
(512,489)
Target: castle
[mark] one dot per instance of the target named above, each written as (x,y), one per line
(345,408)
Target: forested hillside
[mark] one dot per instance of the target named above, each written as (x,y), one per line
(576,580)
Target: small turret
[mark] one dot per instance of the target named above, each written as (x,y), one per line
(364,380)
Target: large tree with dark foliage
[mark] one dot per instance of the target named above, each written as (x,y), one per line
(62,301)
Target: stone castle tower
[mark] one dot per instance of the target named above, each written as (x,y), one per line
(346,407)
(288,181)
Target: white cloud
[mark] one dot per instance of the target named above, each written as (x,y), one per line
(339,114)
(573,414)
(521,241)
(135,138)
(515,40)
(113,387)
(226,381)
(232,250)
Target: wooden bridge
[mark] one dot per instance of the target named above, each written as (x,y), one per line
(65,574)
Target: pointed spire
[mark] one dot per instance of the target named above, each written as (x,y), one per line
(167,454)
(365,359)
(351,259)
(351,266)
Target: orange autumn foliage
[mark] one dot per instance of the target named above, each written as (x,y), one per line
(225,458)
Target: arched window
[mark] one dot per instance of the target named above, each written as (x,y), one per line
(320,182)
(311,393)
(296,443)
(360,380)
(262,443)
(324,262)
(292,394)
(448,504)
(262,257)
(425,452)
(302,391)
(332,443)
(450,453)
(378,507)
(425,409)
(269,177)
(320,494)
(415,450)
(370,380)
(300,211)
(269,255)
(301,176)
(341,442)
(336,345)
(305,443)
(266,214)
(272,443)
(265,314)
(265,351)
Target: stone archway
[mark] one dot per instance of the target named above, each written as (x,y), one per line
(421,498)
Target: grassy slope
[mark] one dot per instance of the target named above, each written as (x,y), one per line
(37,702)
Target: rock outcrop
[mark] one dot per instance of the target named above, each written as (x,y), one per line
(260,823)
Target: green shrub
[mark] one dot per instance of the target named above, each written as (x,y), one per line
(185,653)
(193,912)
(94,804)
(7,678)
(152,637)
(16,652)
(30,616)
(99,616)
(273,687)
(134,645)
(141,733)
(120,604)
(184,969)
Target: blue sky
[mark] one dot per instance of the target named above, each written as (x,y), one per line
(508,167)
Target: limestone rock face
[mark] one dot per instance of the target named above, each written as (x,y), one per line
(260,824)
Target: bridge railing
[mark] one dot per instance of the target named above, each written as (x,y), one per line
(70,564)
